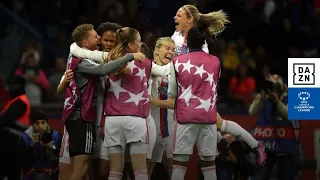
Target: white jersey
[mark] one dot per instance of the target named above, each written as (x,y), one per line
(163,117)
(181,46)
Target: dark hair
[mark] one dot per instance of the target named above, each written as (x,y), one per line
(146,50)
(108,26)
(17,80)
(195,38)
(37,114)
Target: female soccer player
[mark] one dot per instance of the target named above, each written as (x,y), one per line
(187,17)
(126,106)
(163,54)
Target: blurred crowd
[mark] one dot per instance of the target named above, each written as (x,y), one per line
(263,34)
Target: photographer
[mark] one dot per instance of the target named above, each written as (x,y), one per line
(236,160)
(43,145)
(274,129)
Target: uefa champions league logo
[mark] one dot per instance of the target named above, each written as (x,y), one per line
(304,106)
(304,96)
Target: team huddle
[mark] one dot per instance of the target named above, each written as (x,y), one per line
(123,108)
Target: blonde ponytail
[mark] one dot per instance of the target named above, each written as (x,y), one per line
(215,22)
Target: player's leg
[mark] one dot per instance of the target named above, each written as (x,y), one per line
(184,137)
(157,154)
(135,134)
(151,140)
(230,127)
(207,150)
(168,146)
(115,141)
(65,166)
(82,137)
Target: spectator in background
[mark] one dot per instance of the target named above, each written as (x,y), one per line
(272,107)
(54,79)
(14,119)
(42,149)
(36,80)
(242,48)
(241,87)
(231,58)
(30,48)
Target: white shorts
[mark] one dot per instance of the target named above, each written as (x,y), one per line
(100,152)
(64,156)
(203,135)
(151,135)
(120,130)
(162,145)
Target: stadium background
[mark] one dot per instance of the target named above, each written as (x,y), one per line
(263,32)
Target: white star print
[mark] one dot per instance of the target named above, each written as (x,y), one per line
(177,65)
(136,98)
(205,104)
(66,103)
(187,66)
(141,73)
(116,88)
(210,78)
(214,87)
(74,91)
(199,71)
(187,95)
(214,100)
(131,66)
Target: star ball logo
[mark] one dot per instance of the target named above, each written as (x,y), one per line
(303,73)
(304,105)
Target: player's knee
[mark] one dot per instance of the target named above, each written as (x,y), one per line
(206,161)
(207,158)
(80,165)
(115,150)
(138,148)
(181,157)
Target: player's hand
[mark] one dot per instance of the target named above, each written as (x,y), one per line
(152,101)
(101,134)
(68,76)
(35,139)
(139,57)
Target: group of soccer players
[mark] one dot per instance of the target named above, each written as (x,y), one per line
(121,107)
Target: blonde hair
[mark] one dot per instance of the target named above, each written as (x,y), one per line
(214,22)
(162,40)
(124,36)
(80,33)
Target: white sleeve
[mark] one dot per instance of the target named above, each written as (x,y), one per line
(150,85)
(205,48)
(62,78)
(161,71)
(97,56)
(173,87)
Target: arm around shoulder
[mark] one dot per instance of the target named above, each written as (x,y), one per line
(90,67)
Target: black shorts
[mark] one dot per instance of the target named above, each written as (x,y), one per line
(82,137)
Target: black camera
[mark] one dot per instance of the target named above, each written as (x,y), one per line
(46,138)
(269,86)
